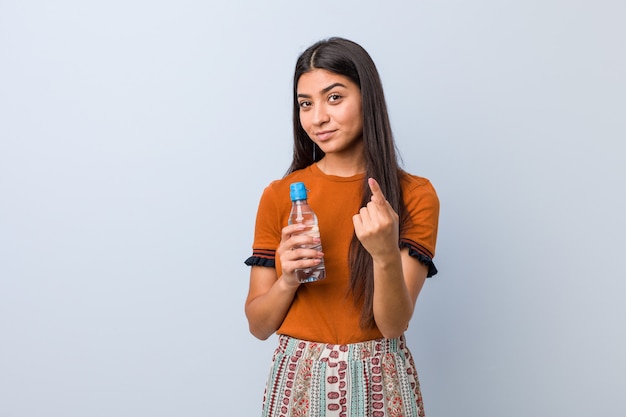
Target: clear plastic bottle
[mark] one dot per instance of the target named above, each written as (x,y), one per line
(301,213)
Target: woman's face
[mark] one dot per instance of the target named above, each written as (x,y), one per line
(330,111)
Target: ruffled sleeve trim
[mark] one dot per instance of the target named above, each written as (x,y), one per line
(421,255)
(262,257)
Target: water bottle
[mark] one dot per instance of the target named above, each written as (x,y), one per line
(301,213)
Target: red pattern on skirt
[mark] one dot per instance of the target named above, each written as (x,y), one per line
(375,378)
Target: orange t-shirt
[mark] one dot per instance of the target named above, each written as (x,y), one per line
(324,311)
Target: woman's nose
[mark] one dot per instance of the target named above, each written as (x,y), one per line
(321,115)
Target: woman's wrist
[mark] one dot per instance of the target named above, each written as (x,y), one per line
(392,259)
(285,286)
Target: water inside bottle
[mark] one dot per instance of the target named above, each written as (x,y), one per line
(315,273)
(310,274)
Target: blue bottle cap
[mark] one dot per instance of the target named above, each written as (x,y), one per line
(297,191)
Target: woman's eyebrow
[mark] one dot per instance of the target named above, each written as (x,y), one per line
(330,87)
(324,90)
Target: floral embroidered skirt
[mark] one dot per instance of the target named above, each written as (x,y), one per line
(375,378)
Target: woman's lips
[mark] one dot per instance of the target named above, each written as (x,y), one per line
(324,135)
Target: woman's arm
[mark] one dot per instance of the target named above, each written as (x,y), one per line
(398,278)
(270,296)
(397,283)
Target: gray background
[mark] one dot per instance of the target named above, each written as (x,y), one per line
(136,138)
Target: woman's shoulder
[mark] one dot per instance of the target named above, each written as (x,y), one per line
(414,183)
(281,185)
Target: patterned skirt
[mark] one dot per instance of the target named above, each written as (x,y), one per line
(376,378)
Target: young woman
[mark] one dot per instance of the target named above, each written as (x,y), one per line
(342,350)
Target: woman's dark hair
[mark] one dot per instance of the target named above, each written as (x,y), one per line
(349,59)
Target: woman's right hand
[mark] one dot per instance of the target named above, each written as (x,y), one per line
(270,296)
(295,253)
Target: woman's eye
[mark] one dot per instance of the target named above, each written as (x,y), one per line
(305,104)
(334,97)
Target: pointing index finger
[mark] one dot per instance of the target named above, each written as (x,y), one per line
(377,193)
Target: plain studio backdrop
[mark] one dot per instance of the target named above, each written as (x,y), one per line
(136,138)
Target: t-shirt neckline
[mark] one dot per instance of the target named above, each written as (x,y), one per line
(335,178)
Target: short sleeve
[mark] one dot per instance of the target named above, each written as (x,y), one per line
(419,230)
(267,231)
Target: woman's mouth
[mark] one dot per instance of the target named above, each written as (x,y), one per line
(324,135)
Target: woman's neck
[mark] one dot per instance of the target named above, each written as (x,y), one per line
(341,167)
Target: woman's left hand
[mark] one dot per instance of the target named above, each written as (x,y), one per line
(376,224)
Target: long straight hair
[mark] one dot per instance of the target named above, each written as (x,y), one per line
(349,59)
